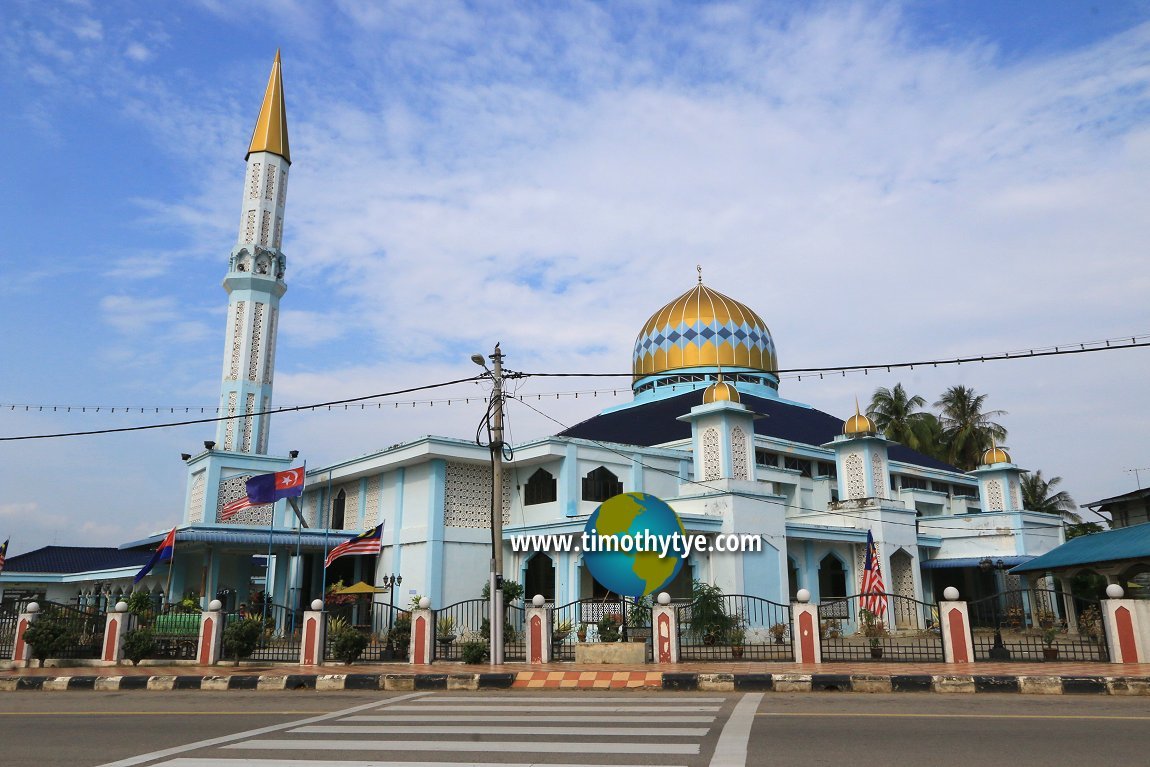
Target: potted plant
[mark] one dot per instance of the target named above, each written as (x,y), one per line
(609,626)
(737,638)
(1049,651)
(639,619)
(710,622)
(581,632)
(445,630)
(561,631)
(874,630)
(778,632)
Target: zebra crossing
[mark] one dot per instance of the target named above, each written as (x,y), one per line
(512,730)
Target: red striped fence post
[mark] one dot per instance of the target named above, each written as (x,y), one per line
(115,626)
(954,620)
(21,652)
(665,628)
(311,644)
(1125,637)
(805,637)
(422,634)
(211,634)
(538,631)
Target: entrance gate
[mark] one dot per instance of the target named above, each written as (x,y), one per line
(745,628)
(847,635)
(1037,625)
(468,621)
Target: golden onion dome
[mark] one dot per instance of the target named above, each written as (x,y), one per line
(720,391)
(995,455)
(859,424)
(703,328)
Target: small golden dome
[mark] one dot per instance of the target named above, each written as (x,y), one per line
(859,424)
(995,455)
(720,391)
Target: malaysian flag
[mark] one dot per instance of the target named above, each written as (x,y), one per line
(873,590)
(235,507)
(3,553)
(367,542)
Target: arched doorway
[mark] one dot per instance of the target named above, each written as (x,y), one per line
(539,577)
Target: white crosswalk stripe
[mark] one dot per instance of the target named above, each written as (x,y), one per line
(534,731)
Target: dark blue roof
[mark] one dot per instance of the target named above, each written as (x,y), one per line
(1107,546)
(654,423)
(75,559)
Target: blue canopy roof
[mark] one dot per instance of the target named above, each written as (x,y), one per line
(939,564)
(74,559)
(1109,546)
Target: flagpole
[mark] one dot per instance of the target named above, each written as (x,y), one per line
(326,533)
(171,567)
(268,567)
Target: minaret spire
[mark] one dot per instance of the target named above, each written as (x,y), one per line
(271,133)
(255,280)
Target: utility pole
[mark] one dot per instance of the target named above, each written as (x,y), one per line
(495,582)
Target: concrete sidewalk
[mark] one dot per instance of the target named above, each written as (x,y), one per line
(1031,678)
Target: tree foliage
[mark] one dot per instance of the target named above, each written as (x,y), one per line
(1038,494)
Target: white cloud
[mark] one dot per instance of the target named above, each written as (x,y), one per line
(138,52)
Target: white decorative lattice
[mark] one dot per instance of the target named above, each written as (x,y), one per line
(265,227)
(234,488)
(273,328)
(196,499)
(371,503)
(1014,494)
(739,453)
(254,181)
(311,509)
(856,480)
(250,227)
(263,440)
(277,239)
(902,574)
(860,563)
(283,189)
(712,468)
(994,495)
(230,429)
(257,339)
(238,312)
(467,495)
(878,475)
(270,184)
(249,408)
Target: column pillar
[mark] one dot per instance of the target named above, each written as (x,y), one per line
(21,652)
(538,631)
(422,634)
(312,643)
(805,637)
(665,629)
(211,634)
(954,617)
(1125,642)
(115,626)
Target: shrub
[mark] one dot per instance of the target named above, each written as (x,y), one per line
(139,644)
(609,627)
(512,590)
(400,634)
(242,637)
(473,652)
(348,644)
(49,638)
(140,602)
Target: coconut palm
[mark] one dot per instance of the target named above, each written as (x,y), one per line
(1038,494)
(897,415)
(967,429)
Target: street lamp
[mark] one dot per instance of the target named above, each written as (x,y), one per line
(998,651)
(390,582)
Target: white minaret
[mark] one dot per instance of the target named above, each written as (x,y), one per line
(255,281)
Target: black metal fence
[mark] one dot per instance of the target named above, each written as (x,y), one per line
(1037,625)
(850,633)
(743,628)
(8,621)
(468,621)
(582,616)
(175,628)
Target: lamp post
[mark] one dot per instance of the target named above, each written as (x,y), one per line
(495,607)
(998,651)
(389,583)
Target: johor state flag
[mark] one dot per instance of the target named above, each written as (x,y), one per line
(269,488)
(165,552)
(367,542)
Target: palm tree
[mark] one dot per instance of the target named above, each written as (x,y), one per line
(1038,495)
(897,415)
(967,430)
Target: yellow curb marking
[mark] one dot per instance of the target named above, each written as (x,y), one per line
(153,713)
(953,716)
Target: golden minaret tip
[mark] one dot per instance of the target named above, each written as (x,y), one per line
(271,132)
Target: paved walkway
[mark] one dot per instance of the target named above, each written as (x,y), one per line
(1038,678)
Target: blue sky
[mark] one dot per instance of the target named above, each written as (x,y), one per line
(878,180)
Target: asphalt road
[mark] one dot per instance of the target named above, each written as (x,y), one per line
(357,729)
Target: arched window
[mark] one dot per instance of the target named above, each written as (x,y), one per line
(832,578)
(540,488)
(337,507)
(540,577)
(601,484)
(792,578)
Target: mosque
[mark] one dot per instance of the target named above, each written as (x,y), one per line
(707,431)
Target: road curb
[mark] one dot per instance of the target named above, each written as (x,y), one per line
(672,681)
